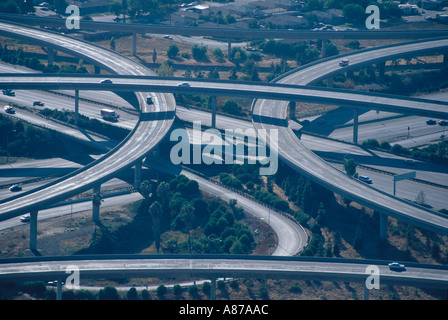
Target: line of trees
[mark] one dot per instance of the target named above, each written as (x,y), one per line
(437,153)
(87,123)
(18,57)
(19,139)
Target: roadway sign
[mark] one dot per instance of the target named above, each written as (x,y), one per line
(403,176)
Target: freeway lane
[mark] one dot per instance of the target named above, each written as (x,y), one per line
(145,136)
(128,266)
(346,98)
(296,155)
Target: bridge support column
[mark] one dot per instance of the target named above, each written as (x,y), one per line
(134,44)
(382,70)
(355,125)
(96,203)
(213,111)
(292,110)
(383,226)
(324,48)
(33,230)
(97,69)
(76,107)
(59,290)
(330,82)
(366,293)
(137,174)
(213,289)
(229,47)
(50,53)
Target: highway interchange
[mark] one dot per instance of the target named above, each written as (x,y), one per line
(280,112)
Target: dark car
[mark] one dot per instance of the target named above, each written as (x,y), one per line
(443,123)
(8,92)
(431,122)
(15,188)
(38,103)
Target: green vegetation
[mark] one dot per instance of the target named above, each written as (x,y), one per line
(176,207)
(16,6)
(416,82)
(437,153)
(199,53)
(172,51)
(18,57)
(19,139)
(354,10)
(301,52)
(87,123)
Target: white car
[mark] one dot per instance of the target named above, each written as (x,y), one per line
(25,218)
(395,266)
(344,62)
(184,84)
(365,179)
(9,109)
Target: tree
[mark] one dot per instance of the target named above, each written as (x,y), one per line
(199,52)
(172,51)
(156,214)
(213,74)
(165,69)
(218,54)
(154,56)
(206,288)
(421,198)
(112,44)
(237,55)
(177,290)
(108,293)
(354,13)
(132,294)
(116,8)
(161,291)
(350,167)
(145,189)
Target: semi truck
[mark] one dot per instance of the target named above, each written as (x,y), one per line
(110,115)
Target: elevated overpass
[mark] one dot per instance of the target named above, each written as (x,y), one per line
(214,266)
(301,159)
(145,136)
(271,91)
(269,113)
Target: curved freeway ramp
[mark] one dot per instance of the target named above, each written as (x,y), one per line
(145,136)
(304,161)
